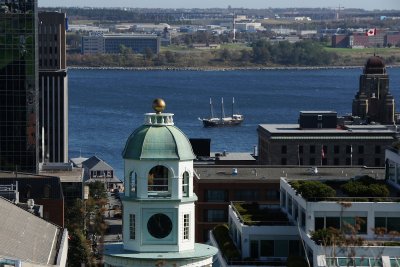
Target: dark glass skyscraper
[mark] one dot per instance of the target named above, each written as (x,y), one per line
(53,88)
(18,86)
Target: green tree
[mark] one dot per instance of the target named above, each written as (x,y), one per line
(78,249)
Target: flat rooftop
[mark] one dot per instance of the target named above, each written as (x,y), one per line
(264,174)
(350,130)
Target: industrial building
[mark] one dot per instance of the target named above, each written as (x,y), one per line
(98,43)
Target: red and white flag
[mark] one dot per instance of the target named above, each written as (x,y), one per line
(322,152)
(371,32)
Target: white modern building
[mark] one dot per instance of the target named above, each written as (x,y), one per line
(392,157)
(370,227)
(158,202)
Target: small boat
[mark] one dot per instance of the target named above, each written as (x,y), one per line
(235,119)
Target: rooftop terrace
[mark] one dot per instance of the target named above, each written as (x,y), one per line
(359,189)
(260,214)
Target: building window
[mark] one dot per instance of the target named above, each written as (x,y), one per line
(336,161)
(216,195)
(157,179)
(185,184)
(348,161)
(312,149)
(133,179)
(289,208)
(360,161)
(319,223)
(284,149)
(46,191)
(388,224)
(132,226)
(283,198)
(186,226)
(377,162)
(215,216)
(246,195)
(348,149)
(360,149)
(267,248)
(272,195)
(312,161)
(283,161)
(377,149)
(336,149)
(300,149)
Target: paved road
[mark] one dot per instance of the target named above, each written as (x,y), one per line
(114,231)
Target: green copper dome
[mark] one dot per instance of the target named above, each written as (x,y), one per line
(158,142)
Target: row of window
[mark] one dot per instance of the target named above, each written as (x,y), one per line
(275,248)
(221,195)
(293,209)
(349,225)
(336,161)
(336,149)
(358,225)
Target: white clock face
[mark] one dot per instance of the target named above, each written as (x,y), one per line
(159,225)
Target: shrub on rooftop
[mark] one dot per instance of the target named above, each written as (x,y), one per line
(365,187)
(225,243)
(313,189)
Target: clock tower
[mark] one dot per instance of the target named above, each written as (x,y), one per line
(158,202)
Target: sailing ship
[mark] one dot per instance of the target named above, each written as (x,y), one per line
(235,119)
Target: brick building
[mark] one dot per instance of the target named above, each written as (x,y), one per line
(294,144)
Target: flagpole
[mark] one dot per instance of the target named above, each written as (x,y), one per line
(298,155)
(351,155)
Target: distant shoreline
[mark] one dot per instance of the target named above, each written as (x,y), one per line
(218,68)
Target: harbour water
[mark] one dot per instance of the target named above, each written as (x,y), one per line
(106,105)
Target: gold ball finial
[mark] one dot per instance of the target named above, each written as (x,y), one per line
(158,105)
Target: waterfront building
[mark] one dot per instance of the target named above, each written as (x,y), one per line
(318,140)
(27,240)
(96,169)
(101,43)
(53,88)
(18,86)
(382,38)
(158,202)
(373,101)
(367,226)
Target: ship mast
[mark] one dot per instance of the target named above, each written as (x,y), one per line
(211,109)
(222,109)
(233,103)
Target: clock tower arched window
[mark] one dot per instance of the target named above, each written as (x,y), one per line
(185,184)
(158,182)
(133,182)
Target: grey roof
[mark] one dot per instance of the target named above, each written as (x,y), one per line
(96,164)
(272,174)
(72,176)
(25,236)
(353,130)
(107,180)
(235,156)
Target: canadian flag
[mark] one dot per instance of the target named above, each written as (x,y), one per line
(371,32)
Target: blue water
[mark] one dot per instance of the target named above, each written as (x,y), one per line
(105,106)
